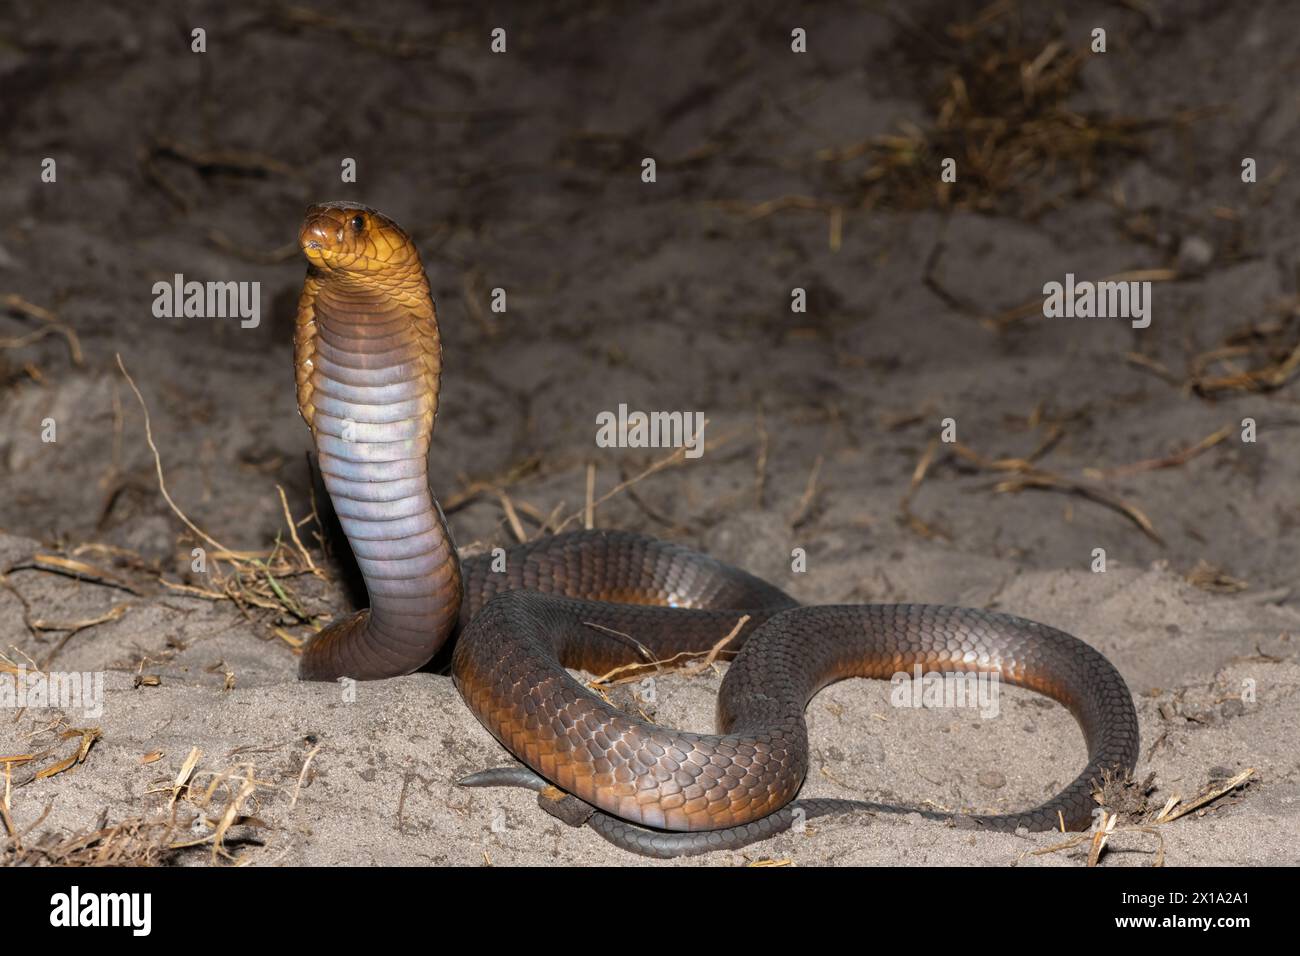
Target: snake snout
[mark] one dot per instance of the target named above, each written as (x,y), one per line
(318,232)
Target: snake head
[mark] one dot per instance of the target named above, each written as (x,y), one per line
(346,237)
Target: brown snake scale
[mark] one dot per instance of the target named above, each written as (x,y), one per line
(368,361)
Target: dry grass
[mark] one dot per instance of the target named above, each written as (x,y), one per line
(261,583)
(1261,357)
(702,660)
(1002,110)
(48,754)
(251,579)
(199,808)
(1131,799)
(1212,578)
(1024,473)
(50,324)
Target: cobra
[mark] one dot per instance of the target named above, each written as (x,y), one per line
(368,362)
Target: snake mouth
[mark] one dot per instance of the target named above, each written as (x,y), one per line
(324,258)
(321,255)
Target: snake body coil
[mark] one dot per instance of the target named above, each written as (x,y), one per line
(368,362)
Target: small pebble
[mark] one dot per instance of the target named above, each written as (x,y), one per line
(1194,254)
(1233,708)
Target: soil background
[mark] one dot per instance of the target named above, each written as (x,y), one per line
(775,171)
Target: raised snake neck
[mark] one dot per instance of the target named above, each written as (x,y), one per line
(368,362)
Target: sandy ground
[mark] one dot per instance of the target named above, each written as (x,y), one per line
(521,171)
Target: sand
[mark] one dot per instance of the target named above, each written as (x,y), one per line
(522,172)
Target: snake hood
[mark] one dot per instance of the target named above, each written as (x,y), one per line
(349,238)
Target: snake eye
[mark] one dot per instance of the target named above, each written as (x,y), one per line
(358,223)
